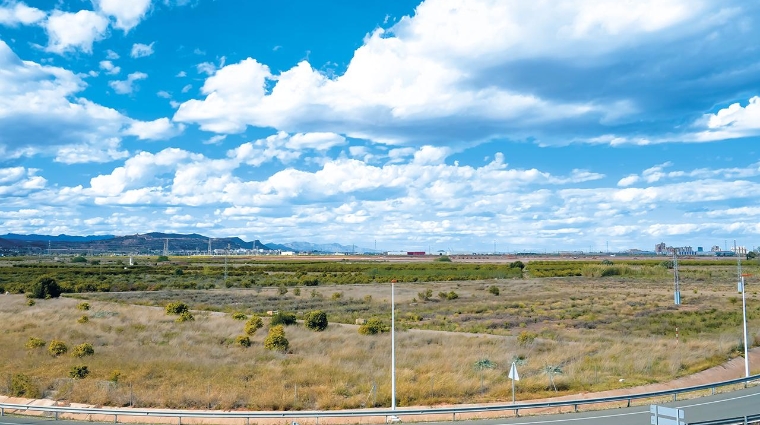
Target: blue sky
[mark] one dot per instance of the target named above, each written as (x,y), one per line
(445,124)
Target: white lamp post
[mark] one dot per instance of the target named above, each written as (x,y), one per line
(744,312)
(393,348)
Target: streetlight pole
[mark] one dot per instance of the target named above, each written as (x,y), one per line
(393,347)
(744,311)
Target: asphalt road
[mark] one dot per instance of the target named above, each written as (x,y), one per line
(721,406)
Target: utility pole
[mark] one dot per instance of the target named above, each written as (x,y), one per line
(225,262)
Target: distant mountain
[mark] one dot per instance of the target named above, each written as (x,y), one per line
(148,243)
(59,238)
(310,247)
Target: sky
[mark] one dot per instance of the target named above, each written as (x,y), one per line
(457,125)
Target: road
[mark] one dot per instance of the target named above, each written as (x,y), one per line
(728,405)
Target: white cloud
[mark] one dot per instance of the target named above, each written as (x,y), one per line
(142,50)
(207,68)
(111,55)
(104,150)
(628,181)
(12,14)
(109,67)
(215,140)
(187,88)
(181,74)
(41,114)
(74,31)
(164,94)
(20,181)
(126,13)
(127,86)
(317,141)
(159,129)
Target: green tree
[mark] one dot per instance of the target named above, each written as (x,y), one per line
(162,258)
(79,259)
(316,320)
(45,287)
(276,340)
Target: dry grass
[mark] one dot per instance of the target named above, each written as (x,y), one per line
(195,365)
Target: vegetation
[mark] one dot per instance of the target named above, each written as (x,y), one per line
(33,343)
(316,320)
(373,326)
(239,316)
(23,386)
(243,341)
(283,318)
(253,324)
(84,306)
(177,308)
(78,372)
(276,340)
(57,348)
(82,350)
(493,289)
(44,288)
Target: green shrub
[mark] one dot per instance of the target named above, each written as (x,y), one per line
(253,324)
(494,290)
(30,302)
(243,341)
(57,348)
(83,306)
(373,326)
(34,343)
(606,262)
(82,350)
(297,292)
(45,287)
(276,340)
(177,307)
(114,376)
(337,295)
(316,320)
(283,318)
(79,259)
(425,295)
(282,290)
(517,265)
(451,295)
(22,386)
(443,259)
(162,258)
(185,316)
(78,372)
(83,319)
(239,316)
(526,338)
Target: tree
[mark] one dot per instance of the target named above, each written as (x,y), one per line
(162,258)
(45,287)
(276,340)
(316,320)
(551,371)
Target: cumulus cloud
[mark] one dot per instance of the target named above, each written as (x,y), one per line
(109,67)
(74,31)
(127,86)
(127,14)
(421,82)
(13,13)
(159,129)
(142,50)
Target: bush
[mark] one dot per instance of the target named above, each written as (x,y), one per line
(83,306)
(162,258)
(243,341)
(45,287)
(316,320)
(373,326)
(57,348)
(494,290)
(276,340)
(517,265)
(78,372)
(185,317)
(425,295)
(443,259)
(526,338)
(114,376)
(30,302)
(283,318)
(83,319)
(22,386)
(82,350)
(239,316)
(448,295)
(177,307)
(253,324)
(79,259)
(297,292)
(607,262)
(34,343)
(282,290)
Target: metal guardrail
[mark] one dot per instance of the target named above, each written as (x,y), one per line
(740,420)
(247,415)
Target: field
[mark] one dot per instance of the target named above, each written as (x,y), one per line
(599,327)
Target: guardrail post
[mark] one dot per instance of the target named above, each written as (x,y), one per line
(2,411)
(629,402)
(517,413)
(576,408)
(179,419)
(56,416)
(248,421)
(454,417)
(675,396)
(713,390)
(116,419)
(745,420)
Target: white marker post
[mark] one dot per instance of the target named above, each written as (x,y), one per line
(514,377)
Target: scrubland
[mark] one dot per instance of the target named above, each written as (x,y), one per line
(567,335)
